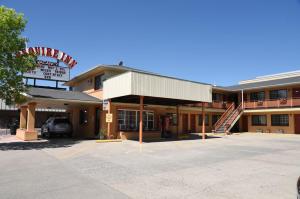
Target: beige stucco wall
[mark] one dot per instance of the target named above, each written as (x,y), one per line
(87,85)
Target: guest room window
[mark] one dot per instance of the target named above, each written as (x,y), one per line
(278,94)
(98,82)
(257,96)
(280,120)
(259,120)
(128,120)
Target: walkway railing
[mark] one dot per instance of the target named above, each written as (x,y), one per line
(224,116)
(215,104)
(278,103)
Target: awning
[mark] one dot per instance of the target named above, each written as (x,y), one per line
(54,98)
(156,89)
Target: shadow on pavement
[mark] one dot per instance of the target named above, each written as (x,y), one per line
(189,137)
(37,145)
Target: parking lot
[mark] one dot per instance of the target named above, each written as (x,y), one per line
(236,166)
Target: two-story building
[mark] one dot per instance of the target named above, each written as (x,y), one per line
(142,104)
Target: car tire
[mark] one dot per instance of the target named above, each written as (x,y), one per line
(47,134)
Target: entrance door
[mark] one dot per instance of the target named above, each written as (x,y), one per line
(234,98)
(297,123)
(185,121)
(97,121)
(296,92)
(245,123)
(193,123)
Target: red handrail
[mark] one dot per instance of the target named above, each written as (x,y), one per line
(238,111)
(273,103)
(222,118)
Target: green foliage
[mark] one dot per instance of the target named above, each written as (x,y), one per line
(12,24)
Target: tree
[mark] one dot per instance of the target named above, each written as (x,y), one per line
(12,24)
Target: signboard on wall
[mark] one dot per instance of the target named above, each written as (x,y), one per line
(105,105)
(109,117)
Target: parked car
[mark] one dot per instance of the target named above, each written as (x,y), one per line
(13,125)
(57,126)
(298,188)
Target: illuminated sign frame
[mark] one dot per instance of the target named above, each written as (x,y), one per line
(50,52)
(49,70)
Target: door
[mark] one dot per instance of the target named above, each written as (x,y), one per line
(185,123)
(234,98)
(297,123)
(97,121)
(193,123)
(245,123)
(296,92)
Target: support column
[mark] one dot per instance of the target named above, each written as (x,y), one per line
(31,117)
(23,112)
(141,119)
(242,99)
(27,133)
(109,124)
(177,124)
(203,122)
(189,122)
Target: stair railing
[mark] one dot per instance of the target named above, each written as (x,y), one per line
(237,111)
(224,116)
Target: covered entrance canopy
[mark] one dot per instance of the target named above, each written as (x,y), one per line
(48,99)
(152,89)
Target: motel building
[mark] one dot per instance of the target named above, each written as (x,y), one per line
(120,102)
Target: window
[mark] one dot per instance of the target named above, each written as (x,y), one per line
(206,120)
(257,96)
(173,118)
(128,120)
(83,117)
(278,94)
(98,82)
(280,120)
(259,120)
(217,97)
(148,120)
(215,118)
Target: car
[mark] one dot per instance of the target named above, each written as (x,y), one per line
(57,126)
(13,125)
(298,188)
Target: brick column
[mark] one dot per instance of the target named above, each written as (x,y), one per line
(31,117)
(27,133)
(23,113)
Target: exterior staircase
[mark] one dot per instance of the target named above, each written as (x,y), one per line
(228,119)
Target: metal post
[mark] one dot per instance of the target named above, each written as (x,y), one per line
(141,119)
(203,122)
(108,124)
(177,122)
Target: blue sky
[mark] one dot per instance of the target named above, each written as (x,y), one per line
(213,41)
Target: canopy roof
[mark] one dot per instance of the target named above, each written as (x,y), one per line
(157,89)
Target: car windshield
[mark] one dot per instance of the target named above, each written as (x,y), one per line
(61,121)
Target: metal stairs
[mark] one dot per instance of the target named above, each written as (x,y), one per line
(228,119)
